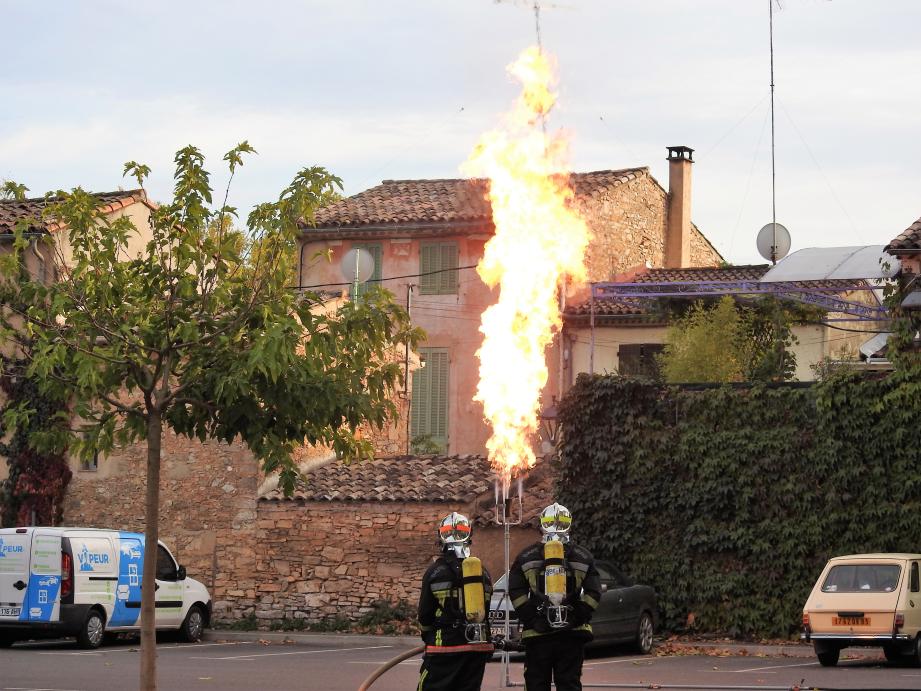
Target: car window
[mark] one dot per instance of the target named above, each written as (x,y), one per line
(862,578)
(166,567)
(605,573)
(914,581)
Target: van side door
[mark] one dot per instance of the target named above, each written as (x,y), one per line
(95,569)
(913,601)
(15,548)
(44,592)
(169,590)
(127,609)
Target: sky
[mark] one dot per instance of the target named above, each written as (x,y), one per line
(376,89)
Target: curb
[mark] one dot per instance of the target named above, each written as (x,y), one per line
(330,640)
(792,650)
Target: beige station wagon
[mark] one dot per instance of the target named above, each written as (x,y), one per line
(866,600)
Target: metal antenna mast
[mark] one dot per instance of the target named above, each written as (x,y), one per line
(773,167)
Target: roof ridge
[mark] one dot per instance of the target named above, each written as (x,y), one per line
(53,197)
(394,181)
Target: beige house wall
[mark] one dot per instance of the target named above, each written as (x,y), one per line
(814,342)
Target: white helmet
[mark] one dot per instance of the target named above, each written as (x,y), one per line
(555,522)
(454,534)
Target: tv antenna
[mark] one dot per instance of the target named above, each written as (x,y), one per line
(779,238)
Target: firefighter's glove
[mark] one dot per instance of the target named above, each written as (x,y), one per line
(534,612)
(580,613)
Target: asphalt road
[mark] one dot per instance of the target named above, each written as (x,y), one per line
(60,666)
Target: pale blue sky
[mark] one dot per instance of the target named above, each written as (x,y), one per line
(402,89)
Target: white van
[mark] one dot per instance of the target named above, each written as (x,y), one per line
(85,582)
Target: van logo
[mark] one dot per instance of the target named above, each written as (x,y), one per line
(51,580)
(89,559)
(9,549)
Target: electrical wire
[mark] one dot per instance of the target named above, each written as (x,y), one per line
(389,278)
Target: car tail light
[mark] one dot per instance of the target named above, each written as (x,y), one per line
(67,575)
(898,622)
(805,620)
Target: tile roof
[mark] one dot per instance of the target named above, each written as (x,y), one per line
(609,307)
(446,202)
(397,478)
(14,210)
(909,239)
(749,272)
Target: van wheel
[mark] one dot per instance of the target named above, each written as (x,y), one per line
(828,655)
(194,625)
(643,642)
(93,630)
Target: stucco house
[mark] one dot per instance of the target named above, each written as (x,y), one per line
(624,335)
(427,236)
(42,257)
(906,246)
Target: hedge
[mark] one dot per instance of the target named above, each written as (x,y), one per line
(729,500)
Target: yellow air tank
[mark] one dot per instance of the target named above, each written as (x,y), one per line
(554,572)
(474,596)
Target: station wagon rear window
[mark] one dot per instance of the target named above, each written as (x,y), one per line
(862,578)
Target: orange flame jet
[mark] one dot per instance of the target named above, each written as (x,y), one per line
(539,239)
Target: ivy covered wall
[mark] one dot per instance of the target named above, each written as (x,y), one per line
(729,500)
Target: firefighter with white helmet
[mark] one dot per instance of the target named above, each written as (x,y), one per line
(555,588)
(453,607)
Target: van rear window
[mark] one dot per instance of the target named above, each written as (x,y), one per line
(862,578)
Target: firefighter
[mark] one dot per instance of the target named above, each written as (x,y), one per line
(555,589)
(453,608)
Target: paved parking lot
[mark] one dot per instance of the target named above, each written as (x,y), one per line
(60,666)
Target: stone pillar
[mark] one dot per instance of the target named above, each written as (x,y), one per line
(678,224)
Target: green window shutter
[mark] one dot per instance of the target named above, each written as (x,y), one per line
(435,261)
(448,282)
(429,261)
(429,412)
(376,251)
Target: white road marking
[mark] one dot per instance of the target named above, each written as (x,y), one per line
(133,649)
(758,669)
(29,688)
(646,658)
(293,652)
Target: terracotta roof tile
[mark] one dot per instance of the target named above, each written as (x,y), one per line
(13,211)
(750,272)
(396,478)
(448,202)
(909,239)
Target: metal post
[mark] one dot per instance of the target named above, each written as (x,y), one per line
(591,347)
(506,520)
(355,283)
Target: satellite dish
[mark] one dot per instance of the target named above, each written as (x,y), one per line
(357,265)
(773,242)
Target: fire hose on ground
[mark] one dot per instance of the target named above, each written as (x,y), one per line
(499,643)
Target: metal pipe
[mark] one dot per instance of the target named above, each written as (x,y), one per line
(366,684)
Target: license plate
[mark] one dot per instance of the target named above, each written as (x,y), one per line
(850,621)
(498,630)
(10,611)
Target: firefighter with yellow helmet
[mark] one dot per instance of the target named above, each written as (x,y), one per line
(555,589)
(453,608)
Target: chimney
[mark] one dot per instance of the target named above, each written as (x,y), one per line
(678,221)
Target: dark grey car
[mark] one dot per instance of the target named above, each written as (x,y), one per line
(626,614)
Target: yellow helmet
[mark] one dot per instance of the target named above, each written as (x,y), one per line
(555,522)
(454,533)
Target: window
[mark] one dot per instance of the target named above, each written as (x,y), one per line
(429,412)
(639,359)
(166,567)
(90,464)
(914,581)
(376,251)
(438,257)
(865,578)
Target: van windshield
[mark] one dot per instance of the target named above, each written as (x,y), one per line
(862,578)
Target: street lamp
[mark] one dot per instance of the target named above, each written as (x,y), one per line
(550,425)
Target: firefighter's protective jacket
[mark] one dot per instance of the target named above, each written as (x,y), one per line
(441,607)
(526,590)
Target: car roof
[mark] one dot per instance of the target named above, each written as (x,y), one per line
(878,555)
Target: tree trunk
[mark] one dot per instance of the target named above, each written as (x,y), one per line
(151,537)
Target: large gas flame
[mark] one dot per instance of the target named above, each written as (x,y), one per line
(539,239)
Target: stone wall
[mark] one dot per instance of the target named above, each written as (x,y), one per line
(628,230)
(207,510)
(319,560)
